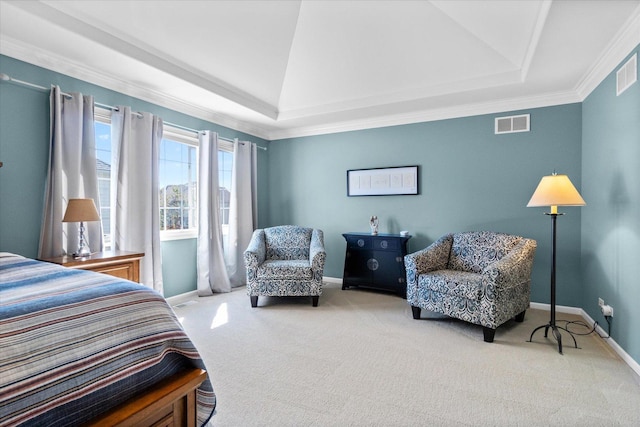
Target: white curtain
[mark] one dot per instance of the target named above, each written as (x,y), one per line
(135,222)
(242,210)
(212,273)
(72,174)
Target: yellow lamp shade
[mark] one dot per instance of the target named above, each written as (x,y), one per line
(556,190)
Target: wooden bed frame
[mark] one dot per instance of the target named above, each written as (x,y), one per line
(171,402)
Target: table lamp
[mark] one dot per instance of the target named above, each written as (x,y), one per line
(81,210)
(555,190)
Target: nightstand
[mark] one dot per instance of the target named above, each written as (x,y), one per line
(125,265)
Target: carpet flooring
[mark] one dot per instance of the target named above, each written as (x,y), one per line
(360,359)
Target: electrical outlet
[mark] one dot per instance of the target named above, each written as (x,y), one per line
(607,310)
(600,302)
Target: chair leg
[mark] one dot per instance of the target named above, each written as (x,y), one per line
(416,312)
(254,301)
(314,300)
(488,334)
(520,316)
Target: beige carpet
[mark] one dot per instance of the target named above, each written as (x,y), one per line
(360,359)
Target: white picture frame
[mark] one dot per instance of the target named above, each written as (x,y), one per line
(391,181)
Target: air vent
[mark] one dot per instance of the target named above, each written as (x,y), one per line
(512,124)
(627,74)
(186,303)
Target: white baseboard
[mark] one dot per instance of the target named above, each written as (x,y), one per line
(559,308)
(585,316)
(177,299)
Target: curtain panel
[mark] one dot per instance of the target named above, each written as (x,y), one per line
(71,174)
(212,272)
(135,222)
(243,210)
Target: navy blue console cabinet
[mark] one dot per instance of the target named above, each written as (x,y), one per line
(376,261)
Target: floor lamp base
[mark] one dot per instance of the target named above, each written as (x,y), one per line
(555,329)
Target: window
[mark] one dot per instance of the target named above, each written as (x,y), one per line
(225,166)
(178,188)
(103,160)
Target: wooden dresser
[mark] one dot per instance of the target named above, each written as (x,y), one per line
(125,265)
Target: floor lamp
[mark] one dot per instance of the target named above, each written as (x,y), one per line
(555,190)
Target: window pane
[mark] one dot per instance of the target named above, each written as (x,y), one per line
(178,185)
(103,165)
(225,163)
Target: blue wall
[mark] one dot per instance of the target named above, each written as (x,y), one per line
(611,219)
(470,179)
(24,141)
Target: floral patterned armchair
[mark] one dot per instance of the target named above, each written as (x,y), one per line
(286,260)
(479,277)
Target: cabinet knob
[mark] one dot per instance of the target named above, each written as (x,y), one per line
(360,242)
(372,264)
(384,244)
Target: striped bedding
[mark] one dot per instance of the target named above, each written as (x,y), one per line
(76,343)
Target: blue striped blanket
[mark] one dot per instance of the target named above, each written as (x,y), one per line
(76,343)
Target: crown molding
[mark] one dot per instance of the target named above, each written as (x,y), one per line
(147,55)
(467,110)
(616,51)
(45,59)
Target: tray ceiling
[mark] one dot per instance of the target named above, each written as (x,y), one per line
(278,69)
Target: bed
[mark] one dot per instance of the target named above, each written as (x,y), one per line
(79,347)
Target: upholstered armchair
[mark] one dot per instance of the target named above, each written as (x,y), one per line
(479,277)
(285,261)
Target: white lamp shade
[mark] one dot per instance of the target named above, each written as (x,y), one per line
(79,210)
(556,190)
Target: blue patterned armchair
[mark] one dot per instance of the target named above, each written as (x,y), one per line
(479,277)
(285,261)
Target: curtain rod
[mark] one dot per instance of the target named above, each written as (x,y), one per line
(8,78)
(111,107)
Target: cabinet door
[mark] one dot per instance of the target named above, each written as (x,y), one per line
(391,273)
(357,270)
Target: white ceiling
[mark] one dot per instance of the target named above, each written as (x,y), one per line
(278,69)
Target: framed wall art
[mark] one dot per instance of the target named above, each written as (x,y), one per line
(389,181)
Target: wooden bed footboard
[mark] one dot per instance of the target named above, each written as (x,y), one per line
(172,402)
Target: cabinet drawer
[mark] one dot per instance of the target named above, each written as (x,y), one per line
(121,264)
(381,243)
(123,271)
(359,242)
